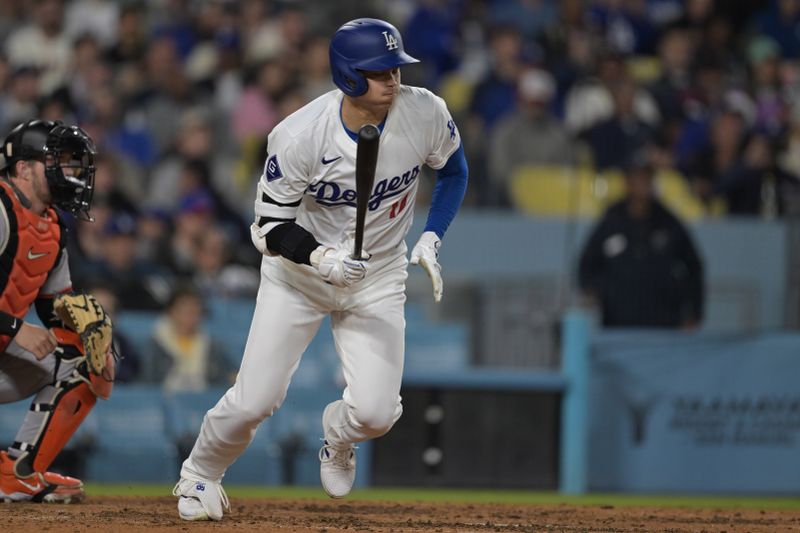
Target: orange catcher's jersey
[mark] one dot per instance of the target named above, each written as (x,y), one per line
(32,261)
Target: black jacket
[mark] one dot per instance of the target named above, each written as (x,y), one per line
(644,273)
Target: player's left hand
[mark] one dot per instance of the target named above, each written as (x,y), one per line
(426,253)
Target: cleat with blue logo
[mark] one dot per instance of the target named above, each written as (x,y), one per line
(200,500)
(337,469)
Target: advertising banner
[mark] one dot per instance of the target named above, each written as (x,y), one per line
(695,413)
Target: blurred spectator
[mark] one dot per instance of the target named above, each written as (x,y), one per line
(529,17)
(780,22)
(255,112)
(433,38)
(719,44)
(626,26)
(280,35)
(734,166)
(704,98)
(155,227)
(139,284)
(18,104)
(42,43)
(194,217)
(676,51)
(696,16)
(131,35)
(772,106)
(639,265)
(590,100)
(493,96)
(216,275)
(316,73)
(193,163)
(530,136)
(183,356)
(615,138)
(95,17)
(169,92)
(128,366)
(113,188)
(86,240)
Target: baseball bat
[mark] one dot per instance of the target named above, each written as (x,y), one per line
(366,160)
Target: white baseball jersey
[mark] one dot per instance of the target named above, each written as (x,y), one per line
(311,159)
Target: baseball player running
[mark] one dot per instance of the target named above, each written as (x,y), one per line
(305,221)
(46,164)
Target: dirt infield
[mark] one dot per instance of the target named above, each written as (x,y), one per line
(107,514)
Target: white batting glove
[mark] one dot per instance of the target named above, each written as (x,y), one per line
(258,236)
(426,253)
(337,267)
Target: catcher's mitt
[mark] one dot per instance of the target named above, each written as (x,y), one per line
(83,314)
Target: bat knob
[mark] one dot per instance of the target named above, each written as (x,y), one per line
(369,132)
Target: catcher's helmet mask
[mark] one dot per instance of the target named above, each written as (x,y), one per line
(365,45)
(60,148)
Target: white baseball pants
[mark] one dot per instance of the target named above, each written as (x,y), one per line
(368,326)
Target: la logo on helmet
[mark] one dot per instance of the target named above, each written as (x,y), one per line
(391,41)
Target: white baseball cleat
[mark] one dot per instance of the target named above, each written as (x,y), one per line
(200,500)
(337,469)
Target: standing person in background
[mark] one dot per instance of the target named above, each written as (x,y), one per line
(639,264)
(47,165)
(305,221)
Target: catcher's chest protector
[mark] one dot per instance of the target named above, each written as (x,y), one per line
(28,257)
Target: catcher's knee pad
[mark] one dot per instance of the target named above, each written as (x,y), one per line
(63,405)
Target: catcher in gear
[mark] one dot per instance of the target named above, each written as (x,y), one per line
(66,364)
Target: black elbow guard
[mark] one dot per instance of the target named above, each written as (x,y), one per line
(293,242)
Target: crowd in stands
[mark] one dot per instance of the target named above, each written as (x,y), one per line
(179,96)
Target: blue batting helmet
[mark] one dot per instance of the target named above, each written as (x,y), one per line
(365,44)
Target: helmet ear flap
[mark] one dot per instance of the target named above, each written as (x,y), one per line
(348,79)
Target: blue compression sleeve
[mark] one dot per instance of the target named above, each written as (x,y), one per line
(448,193)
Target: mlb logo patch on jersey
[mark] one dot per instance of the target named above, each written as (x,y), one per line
(272,169)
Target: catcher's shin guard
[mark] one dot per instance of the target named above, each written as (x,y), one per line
(61,407)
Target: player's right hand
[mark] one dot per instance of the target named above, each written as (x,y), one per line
(337,267)
(39,341)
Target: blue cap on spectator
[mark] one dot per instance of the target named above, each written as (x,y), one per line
(228,40)
(120,224)
(199,201)
(157,213)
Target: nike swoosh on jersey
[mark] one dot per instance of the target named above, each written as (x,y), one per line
(32,255)
(329,161)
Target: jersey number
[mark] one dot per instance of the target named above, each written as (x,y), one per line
(398,207)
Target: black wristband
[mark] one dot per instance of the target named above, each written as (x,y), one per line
(9,324)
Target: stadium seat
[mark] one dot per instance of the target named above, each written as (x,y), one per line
(456,91)
(644,69)
(11,416)
(131,442)
(562,191)
(184,412)
(229,323)
(674,191)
